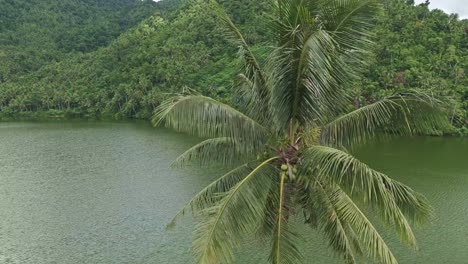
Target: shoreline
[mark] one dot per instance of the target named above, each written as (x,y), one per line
(70,115)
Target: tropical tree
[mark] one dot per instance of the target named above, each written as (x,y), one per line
(290,131)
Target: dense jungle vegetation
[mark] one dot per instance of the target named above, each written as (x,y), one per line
(34,33)
(121,58)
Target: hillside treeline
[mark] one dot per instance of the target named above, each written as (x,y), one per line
(180,46)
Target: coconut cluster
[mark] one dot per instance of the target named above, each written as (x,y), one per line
(285,170)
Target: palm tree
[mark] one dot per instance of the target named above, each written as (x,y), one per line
(290,131)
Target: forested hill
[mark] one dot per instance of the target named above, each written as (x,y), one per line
(131,76)
(415,48)
(420,49)
(33,33)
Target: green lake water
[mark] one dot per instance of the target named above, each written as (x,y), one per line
(102,192)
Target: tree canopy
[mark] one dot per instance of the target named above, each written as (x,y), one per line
(287,137)
(34,33)
(179,46)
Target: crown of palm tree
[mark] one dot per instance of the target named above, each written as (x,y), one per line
(290,131)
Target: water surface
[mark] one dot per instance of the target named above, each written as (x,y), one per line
(102,192)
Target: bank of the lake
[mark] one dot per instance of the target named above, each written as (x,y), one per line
(102,192)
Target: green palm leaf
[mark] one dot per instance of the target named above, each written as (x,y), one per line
(284,242)
(347,211)
(311,64)
(340,235)
(224,150)
(253,83)
(371,187)
(221,227)
(206,117)
(209,195)
(403,114)
(350,21)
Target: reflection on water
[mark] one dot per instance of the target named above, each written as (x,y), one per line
(98,192)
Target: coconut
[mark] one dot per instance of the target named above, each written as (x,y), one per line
(284,167)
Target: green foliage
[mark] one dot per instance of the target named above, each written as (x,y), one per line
(419,49)
(243,200)
(300,99)
(291,113)
(34,33)
(403,114)
(180,44)
(129,78)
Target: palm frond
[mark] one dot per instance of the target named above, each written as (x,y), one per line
(224,150)
(209,196)
(311,64)
(350,22)
(223,225)
(307,199)
(205,117)
(250,100)
(373,188)
(320,81)
(413,205)
(348,212)
(267,222)
(256,91)
(403,114)
(252,67)
(284,245)
(340,235)
(321,47)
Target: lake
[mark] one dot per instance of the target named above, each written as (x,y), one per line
(102,192)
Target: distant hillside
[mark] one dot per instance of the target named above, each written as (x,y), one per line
(132,75)
(415,48)
(420,49)
(33,33)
